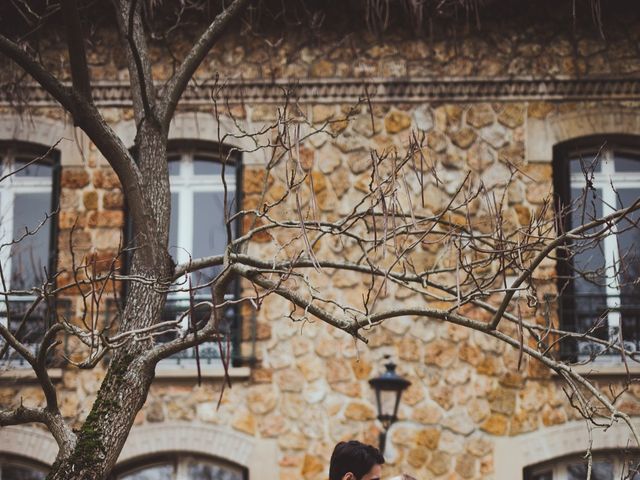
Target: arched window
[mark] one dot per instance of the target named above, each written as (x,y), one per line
(198,206)
(19,469)
(182,467)
(28,197)
(201,202)
(605,466)
(598,283)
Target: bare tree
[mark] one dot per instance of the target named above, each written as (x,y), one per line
(465,261)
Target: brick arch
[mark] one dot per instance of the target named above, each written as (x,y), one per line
(513,454)
(543,135)
(29,443)
(258,456)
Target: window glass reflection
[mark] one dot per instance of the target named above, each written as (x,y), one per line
(174,166)
(209,232)
(589,261)
(26,167)
(29,257)
(184,468)
(156,472)
(203,166)
(542,476)
(19,472)
(600,471)
(202,471)
(628,243)
(585,164)
(173,227)
(627,164)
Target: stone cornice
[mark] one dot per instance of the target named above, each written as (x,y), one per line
(350,90)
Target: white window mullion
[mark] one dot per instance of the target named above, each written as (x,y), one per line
(610,244)
(185,224)
(6,234)
(185,235)
(182,471)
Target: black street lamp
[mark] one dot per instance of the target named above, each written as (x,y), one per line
(388,387)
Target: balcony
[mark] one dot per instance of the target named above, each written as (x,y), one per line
(28,324)
(208,353)
(605,318)
(29,327)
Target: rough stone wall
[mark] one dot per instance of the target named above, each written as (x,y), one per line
(466,388)
(309,388)
(525,43)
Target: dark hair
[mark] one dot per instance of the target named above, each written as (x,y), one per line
(354,457)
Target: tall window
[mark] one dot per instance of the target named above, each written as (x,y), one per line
(604,467)
(600,287)
(27,236)
(198,229)
(182,467)
(198,208)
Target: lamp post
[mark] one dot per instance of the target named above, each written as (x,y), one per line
(388,387)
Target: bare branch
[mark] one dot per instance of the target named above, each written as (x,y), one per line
(341,323)
(63,434)
(22,415)
(198,264)
(129,13)
(176,86)
(56,89)
(87,116)
(575,233)
(77,54)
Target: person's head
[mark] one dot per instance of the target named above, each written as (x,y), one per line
(353,460)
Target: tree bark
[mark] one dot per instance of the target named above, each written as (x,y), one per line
(130,373)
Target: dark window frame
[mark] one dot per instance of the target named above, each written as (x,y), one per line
(217,153)
(562,154)
(51,157)
(25,462)
(173,457)
(618,457)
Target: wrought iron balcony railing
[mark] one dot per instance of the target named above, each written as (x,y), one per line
(212,352)
(613,321)
(28,324)
(29,328)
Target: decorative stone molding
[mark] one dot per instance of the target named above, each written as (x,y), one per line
(349,90)
(259,456)
(29,443)
(543,135)
(513,454)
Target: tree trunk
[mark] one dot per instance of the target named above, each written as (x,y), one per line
(127,381)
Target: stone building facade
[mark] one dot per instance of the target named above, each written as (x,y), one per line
(506,92)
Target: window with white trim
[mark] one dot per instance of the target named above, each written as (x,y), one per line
(604,467)
(198,229)
(28,197)
(599,288)
(184,467)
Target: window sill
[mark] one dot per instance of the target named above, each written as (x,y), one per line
(176,372)
(606,369)
(27,374)
(162,373)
